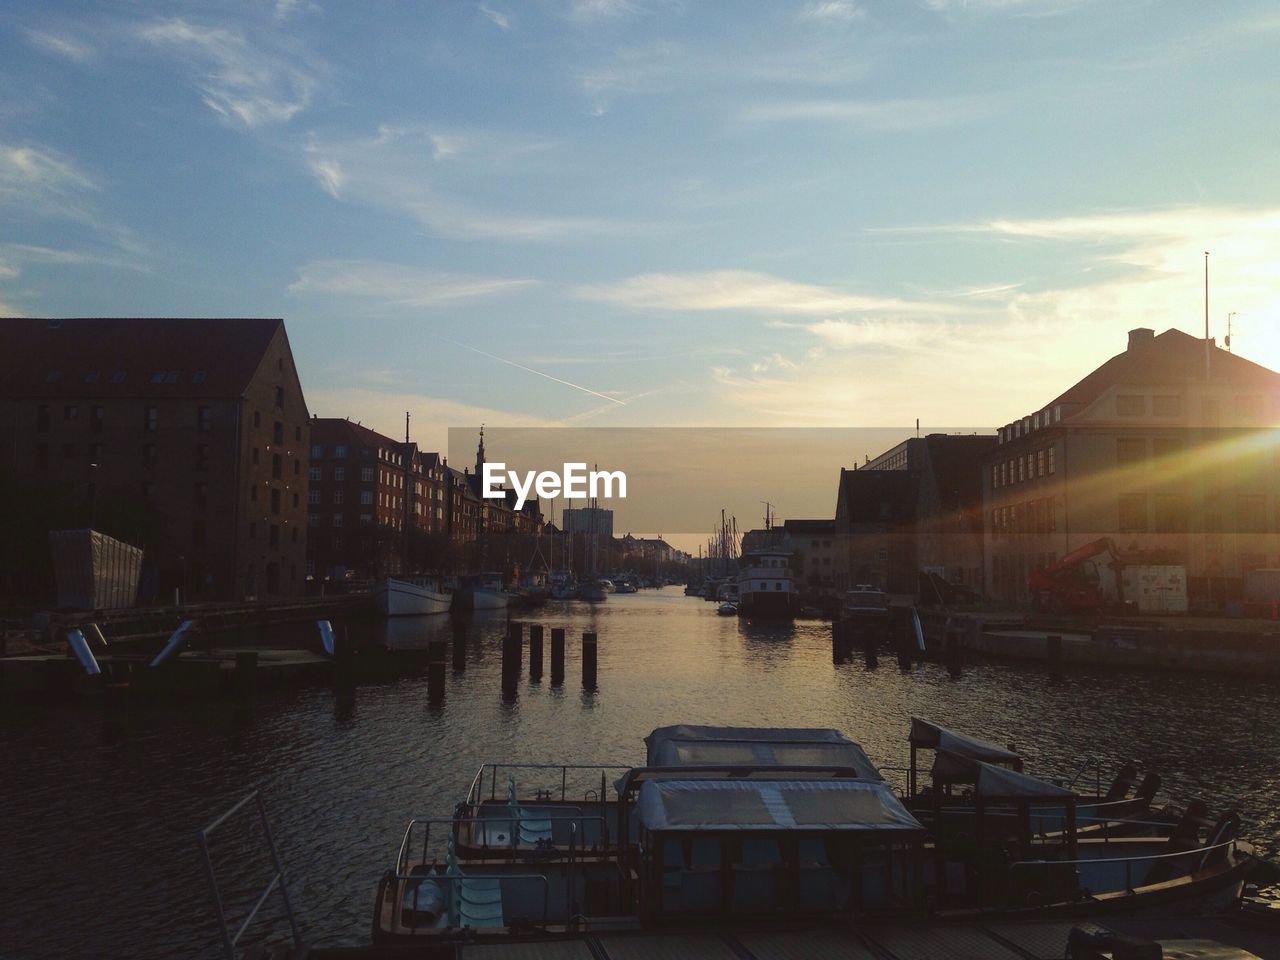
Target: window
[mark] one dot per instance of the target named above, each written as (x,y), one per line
(257,419)
(1170,513)
(296,501)
(366,519)
(198,377)
(151,419)
(1130,451)
(275,466)
(149,455)
(366,498)
(339,474)
(337,519)
(1021,469)
(1051,467)
(313,495)
(118,377)
(275,502)
(70,412)
(42,417)
(340,451)
(253,493)
(337,496)
(91,376)
(254,456)
(1035,421)
(97,417)
(273,535)
(366,474)
(1166,446)
(297,434)
(277,432)
(202,456)
(279,398)
(317,451)
(204,419)
(1004,474)
(313,519)
(1040,463)
(315,474)
(995,477)
(1166,406)
(1131,405)
(1133,513)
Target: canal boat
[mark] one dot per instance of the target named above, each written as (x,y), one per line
(764,828)
(866,606)
(410,597)
(482,592)
(765,588)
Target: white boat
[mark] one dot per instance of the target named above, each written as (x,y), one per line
(728,609)
(484,592)
(410,597)
(765,588)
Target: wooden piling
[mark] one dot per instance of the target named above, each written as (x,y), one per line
(557,656)
(459,646)
(589,661)
(435,671)
(906,644)
(246,675)
(954,653)
(535,651)
(871,648)
(513,650)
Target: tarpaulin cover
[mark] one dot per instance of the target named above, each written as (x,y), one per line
(931,736)
(687,745)
(94,571)
(772,805)
(992,781)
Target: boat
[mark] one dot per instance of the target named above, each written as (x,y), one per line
(482,592)
(592,591)
(866,605)
(410,596)
(625,586)
(765,588)
(764,829)
(727,609)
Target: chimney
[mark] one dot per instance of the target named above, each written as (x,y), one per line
(1141,337)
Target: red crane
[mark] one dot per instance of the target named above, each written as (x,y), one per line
(1072,584)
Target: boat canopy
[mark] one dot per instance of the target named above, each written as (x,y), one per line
(993,782)
(930,736)
(688,745)
(772,805)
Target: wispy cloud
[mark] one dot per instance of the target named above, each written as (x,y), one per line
(387,170)
(61,45)
(398,284)
(496,17)
(886,116)
(828,11)
(41,179)
(729,290)
(586,11)
(32,253)
(238,79)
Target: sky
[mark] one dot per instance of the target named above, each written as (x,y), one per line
(824,213)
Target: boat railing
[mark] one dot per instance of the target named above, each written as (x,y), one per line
(425,823)
(448,880)
(1200,854)
(229,939)
(1096,763)
(476,791)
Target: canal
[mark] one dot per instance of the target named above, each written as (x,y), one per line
(97,849)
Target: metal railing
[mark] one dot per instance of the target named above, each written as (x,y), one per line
(229,940)
(474,793)
(427,822)
(1200,853)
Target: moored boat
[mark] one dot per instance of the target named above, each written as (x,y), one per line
(410,596)
(765,588)
(482,592)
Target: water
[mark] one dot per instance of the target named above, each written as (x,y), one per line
(97,848)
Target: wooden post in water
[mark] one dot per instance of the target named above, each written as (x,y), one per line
(954,652)
(513,650)
(557,656)
(535,651)
(906,642)
(435,671)
(459,646)
(839,641)
(1053,654)
(246,676)
(871,648)
(589,661)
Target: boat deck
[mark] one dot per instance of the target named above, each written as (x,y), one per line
(1204,938)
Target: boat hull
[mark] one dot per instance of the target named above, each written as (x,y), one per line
(481,598)
(404,598)
(761,605)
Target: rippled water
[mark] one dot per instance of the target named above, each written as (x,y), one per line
(97,842)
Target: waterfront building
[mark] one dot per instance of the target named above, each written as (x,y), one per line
(185,437)
(1169,449)
(947,514)
(875,516)
(597,520)
(819,555)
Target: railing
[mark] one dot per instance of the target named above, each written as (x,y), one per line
(448,880)
(230,940)
(426,823)
(1202,853)
(474,793)
(1096,763)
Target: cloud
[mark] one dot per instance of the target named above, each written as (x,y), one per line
(20,252)
(432,175)
(888,116)
(496,17)
(861,334)
(397,284)
(827,11)
(728,290)
(238,80)
(585,11)
(61,45)
(40,181)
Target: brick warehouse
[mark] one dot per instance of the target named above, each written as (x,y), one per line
(188,437)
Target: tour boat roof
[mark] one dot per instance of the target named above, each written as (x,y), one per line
(688,745)
(772,805)
(930,736)
(996,782)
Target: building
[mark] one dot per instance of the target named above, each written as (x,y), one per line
(186,437)
(948,512)
(1168,448)
(597,520)
(819,555)
(875,517)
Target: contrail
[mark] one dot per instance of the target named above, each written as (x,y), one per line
(521,366)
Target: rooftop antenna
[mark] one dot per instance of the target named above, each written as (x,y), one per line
(768,519)
(1206,315)
(1228,340)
